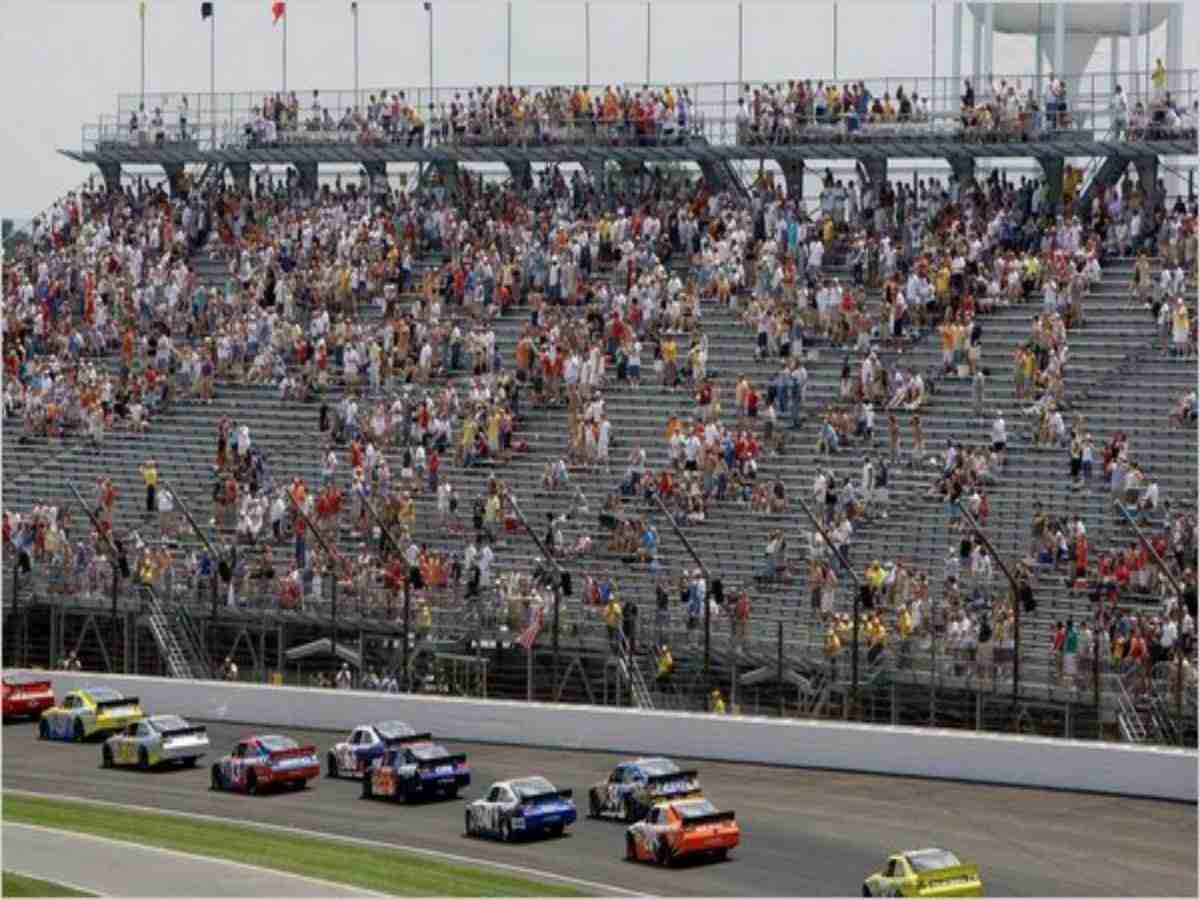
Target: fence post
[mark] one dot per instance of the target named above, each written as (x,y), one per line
(779,662)
(407,603)
(1096,679)
(16,595)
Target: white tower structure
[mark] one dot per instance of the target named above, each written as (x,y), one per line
(1067,33)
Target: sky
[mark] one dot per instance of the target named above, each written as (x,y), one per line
(64,62)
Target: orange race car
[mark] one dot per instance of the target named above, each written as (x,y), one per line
(676,829)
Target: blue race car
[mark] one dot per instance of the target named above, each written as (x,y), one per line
(636,785)
(523,807)
(412,770)
(365,744)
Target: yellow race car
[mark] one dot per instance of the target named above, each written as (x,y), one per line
(85,713)
(924,873)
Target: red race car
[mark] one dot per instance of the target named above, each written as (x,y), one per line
(26,695)
(263,761)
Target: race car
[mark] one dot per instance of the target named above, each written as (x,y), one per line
(412,770)
(924,873)
(266,760)
(26,695)
(153,741)
(634,787)
(523,807)
(88,712)
(673,830)
(366,743)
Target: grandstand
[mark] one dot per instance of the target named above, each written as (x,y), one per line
(185,620)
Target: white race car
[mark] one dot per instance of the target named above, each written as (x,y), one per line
(520,808)
(365,744)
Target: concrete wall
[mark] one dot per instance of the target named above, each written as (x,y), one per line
(966,756)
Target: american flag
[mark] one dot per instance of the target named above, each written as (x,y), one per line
(530,635)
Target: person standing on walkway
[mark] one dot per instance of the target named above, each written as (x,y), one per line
(150,477)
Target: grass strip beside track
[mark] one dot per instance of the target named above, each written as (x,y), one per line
(386,871)
(14,885)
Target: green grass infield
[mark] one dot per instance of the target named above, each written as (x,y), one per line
(387,871)
(14,885)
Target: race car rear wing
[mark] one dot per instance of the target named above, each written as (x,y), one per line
(184,732)
(113,704)
(709,819)
(291,753)
(454,759)
(940,877)
(27,683)
(408,739)
(564,794)
(686,775)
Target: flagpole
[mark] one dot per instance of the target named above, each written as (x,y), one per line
(212,74)
(354,10)
(142,9)
(285,18)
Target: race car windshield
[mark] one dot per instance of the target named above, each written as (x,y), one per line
(531,787)
(932,860)
(658,766)
(103,695)
(168,723)
(695,808)
(392,730)
(274,742)
(428,751)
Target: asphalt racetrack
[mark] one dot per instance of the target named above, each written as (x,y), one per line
(804,832)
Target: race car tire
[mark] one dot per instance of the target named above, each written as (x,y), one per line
(593,805)
(630,849)
(556,831)
(662,853)
(506,833)
(866,891)
(77,731)
(251,782)
(469,823)
(218,782)
(299,785)
(143,759)
(106,757)
(189,762)
(623,811)
(721,855)
(452,793)
(44,730)
(331,769)
(367,787)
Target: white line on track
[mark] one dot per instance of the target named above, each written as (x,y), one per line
(607,890)
(87,836)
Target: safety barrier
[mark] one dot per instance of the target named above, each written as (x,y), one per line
(926,753)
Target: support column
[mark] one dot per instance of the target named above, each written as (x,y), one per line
(976,48)
(374,170)
(1113,62)
(241,176)
(307,173)
(989,40)
(963,168)
(111,172)
(1052,168)
(1060,40)
(1133,91)
(955,57)
(522,174)
(1175,77)
(793,177)
(1038,53)
(449,175)
(1147,169)
(174,172)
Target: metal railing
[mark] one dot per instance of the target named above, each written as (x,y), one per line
(216,121)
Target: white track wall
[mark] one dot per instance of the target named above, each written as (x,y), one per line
(930,753)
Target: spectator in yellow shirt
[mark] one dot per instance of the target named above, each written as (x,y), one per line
(613,616)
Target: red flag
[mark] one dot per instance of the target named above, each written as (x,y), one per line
(278,8)
(530,635)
